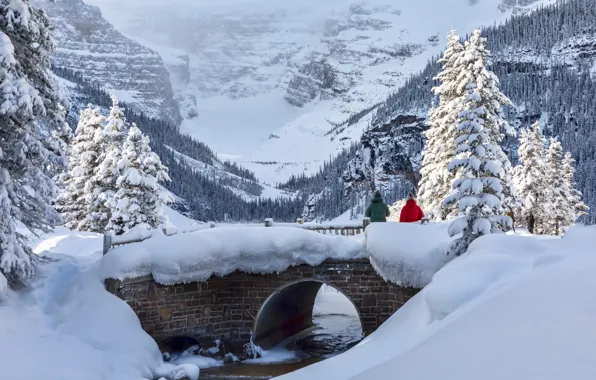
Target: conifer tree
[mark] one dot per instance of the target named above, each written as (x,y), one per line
(476,59)
(560,208)
(578,207)
(439,150)
(84,156)
(480,165)
(532,179)
(478,188)
(138,200)
(29,110)
(101,189)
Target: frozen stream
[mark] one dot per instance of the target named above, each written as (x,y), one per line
(337,329)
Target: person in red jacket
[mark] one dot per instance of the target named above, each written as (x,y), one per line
(411,212)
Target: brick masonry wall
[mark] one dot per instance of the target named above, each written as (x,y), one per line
(225,307)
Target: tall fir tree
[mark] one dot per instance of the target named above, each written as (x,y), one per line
(478,188)
(577,205)
(30,110)
(439,150)
(139,198)
(101,189)
(560,207)
(83,160)
(532,177)
(476,60)
(480,167)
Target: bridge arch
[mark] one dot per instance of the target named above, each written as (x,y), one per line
(289,311)
(232,307)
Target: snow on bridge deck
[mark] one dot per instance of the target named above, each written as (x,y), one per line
(405,254)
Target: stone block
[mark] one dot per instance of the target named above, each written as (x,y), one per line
(165,313)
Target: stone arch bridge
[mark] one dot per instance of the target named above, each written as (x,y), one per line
(268,307)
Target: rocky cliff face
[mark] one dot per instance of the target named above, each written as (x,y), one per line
(390,157)
(88,44)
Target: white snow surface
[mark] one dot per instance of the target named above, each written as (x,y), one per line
(218,251)
(407,254)
(512,307)
(330,301)
(66,326)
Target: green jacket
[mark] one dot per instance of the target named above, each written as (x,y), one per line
(377,211)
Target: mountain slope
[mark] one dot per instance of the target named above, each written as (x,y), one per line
(205,188)
(300,77)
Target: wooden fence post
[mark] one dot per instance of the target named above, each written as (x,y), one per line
(107,242)
(366,222)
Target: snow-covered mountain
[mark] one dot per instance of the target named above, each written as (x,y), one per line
(284,85)
(88,44)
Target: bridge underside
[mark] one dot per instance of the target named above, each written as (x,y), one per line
(285,313)
(271,307)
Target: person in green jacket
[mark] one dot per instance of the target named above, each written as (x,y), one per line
(377,211)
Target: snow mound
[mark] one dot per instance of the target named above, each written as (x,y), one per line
(512,307)
(407,254)
(490,262)
(219,251)
(72,327)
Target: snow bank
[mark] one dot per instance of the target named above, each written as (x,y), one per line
(512,307)
(330,301)
(407,254)
(66,326)
(218,251)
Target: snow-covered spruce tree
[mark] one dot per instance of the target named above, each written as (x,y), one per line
(532,179)
(439,150)
(85,152)
(560,207)
(475,62)
(480,175)
(29,109)
(577,205)
(59,144)
(100,190)
(139,197)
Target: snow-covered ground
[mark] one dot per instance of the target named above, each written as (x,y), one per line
(513,307)
(330,301)
(65,326)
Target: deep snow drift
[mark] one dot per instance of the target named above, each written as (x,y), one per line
(71,327)
(199,255)
(513,307)
(405,254)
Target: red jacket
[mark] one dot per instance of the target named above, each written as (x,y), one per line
(411,212)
